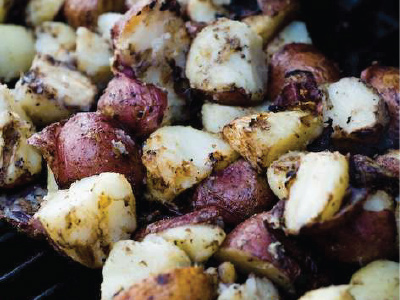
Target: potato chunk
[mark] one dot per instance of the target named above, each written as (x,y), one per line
(317,191)
(130,262)
(377,280)
(205,11)
(178,157)
(93,55)
(339,292)
(85,220)
(254,288)
(17,49)
(357,112)
(226,62)
(19,162)
(106,22)
(39,11)
(57,40)
(264,137)
(50,91)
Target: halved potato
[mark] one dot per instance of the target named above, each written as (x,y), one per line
(51,91)
(334,292)
(39,11)
(57,40)
(185,283)
(130,262)
(216,116)
(377,280)
(253,248)
(357,112)
(263,138)
(178,157)
(85,220)
(17,50)
(227,63)
(317,191)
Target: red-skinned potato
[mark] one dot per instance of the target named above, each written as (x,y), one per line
(238,191)
(85,13)
(253,248)
(273,7)
(86,145)
(386,81)
(303,57)
(138,106)
(390,161)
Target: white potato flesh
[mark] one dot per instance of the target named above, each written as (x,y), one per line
(295,32)
(263,138)
(17,50)
(88,218)
(199,241)
(281,173)
(317,191)
(227,272)
(338,292)
(19,162)
(204,10)
(52,185)
(56,39)
(215,116)
(93,55)
(353,108)
(253,289)
(106,22)
(178,157)
(39,11)
(130,262)
(379,201)
(377,280)
(4,8)
(227,56)
(51,91)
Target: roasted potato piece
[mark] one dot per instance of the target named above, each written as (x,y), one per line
(4,8)
(106,22)
(227,273)
(185,283)
(254,288)
(386,81)
(93,55)
(85,220)
(253,248)
(334,292)
(216,116)
(178,157)
(302,57)
(89,144)
(357,112)
(377,280)
(139,107)
(274,7)
(20,162)
(57,40)
(264,137)
(238,191)
(85,13)
(51,91)
(390,161)
(295,32)
(317,191)
(130,262)
(205,11)
(39,11)
(17,50)
(227,63)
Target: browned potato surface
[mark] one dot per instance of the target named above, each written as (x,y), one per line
(303,57)
(138,106)
(238,191)
(253,248)
(185,283)
(390,161)
(86,145)
(273,7)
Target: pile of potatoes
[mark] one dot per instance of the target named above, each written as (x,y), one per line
(194,153)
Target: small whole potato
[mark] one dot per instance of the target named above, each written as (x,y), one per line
(89,144)
(238,191)
(303,57)
(138,106)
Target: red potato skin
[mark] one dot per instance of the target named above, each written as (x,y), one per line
(390,164)
(83,146)
(137,106)
(302,57)
(386,81)
(238,191)
(208,215)
(273,7)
